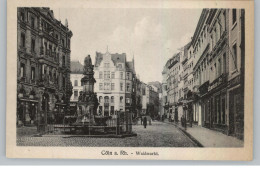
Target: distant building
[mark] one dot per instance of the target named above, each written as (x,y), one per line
(115,78)
(76,74)
(43,66)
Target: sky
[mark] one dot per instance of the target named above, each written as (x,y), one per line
(151,36)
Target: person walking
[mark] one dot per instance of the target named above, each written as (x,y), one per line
(141,120)
(145,121)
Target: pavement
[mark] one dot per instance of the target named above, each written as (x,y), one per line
(209,138)
(158,134)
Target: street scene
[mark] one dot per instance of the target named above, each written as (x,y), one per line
(130,79)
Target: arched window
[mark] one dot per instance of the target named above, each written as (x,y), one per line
(100,99)
(112,99)
(106,99)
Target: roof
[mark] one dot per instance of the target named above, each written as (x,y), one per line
(76,67)
(130,66)
(116,58)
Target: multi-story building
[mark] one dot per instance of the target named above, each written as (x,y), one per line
(76,74)
(213,72)
(236,72)
(114,86)
(165,98)
(43,65)
(172,84)
(157,86)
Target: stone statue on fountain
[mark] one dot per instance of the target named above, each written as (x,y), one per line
(87,103)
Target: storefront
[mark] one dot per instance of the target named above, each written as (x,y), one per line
(236,108)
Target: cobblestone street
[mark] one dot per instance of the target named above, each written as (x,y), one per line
(156,135)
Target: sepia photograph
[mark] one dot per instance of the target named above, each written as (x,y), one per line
(139,78)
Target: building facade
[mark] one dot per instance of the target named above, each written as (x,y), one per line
(43,65)
(76,74)
(115,78)
(213,73)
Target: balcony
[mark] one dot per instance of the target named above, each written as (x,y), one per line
(47,81)
(49,55)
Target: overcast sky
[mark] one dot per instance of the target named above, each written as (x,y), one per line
(151,35)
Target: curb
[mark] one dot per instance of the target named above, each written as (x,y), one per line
(187,134)
(91,136)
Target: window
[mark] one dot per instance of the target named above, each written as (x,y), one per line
(128,87)
(76,83)
(33,45)
(234,15)
(100,75)
(100,86)
(22,70)
(22,16)
(75,93)
(112,99)
(234,52)
(127,75)
(112,110)
(119,65)
(100,99)
(68,43)
(33,73)
(121,86)
(224,63)
(63,42)
(106,86)
(112,75)
(106,99)
(32,22)
(107,65)
(107,74)
(22,40)
(127,100)
(64,83)
(112,86)
(121,75)
(63,61)
(121,99)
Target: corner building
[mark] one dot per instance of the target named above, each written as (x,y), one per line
(43,66)
(114,82)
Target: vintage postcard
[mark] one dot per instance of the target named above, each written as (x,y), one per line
(150,80)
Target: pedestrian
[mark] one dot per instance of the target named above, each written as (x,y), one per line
(145,121)
(141,120)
